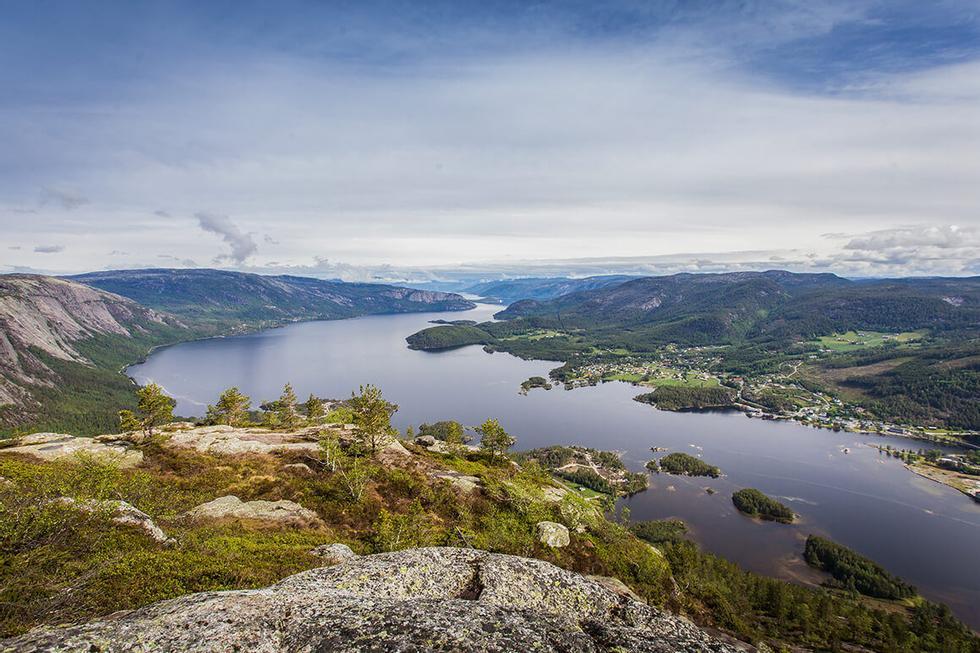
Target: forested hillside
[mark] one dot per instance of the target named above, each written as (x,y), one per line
(918,360)
(224,299)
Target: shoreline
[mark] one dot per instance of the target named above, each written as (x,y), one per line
(950,479)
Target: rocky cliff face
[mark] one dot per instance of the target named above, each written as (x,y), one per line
(52,315)
(433,599)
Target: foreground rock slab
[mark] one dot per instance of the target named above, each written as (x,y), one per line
(54,446)
(436,599)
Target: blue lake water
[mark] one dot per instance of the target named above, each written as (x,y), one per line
(925,532)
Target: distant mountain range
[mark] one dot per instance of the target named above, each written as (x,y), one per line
(708,308)
(540,288)
(219,297)
(63,341)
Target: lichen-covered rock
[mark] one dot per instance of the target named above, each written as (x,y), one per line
(553,494)
(460,481)
(287,513)
(55,446)
(437,599)
(231,441)
(298,468)
(553,534)
(334,553)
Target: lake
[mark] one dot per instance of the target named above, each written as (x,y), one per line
(924,532)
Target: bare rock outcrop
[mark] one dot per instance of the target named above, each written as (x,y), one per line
(462,482)
(436,599)
(230,441)
(50,315)
(54,446)
(286,513)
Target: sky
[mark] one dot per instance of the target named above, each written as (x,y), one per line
(391,141)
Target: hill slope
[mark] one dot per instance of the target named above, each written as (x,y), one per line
(63,341)
(713,308)
(767,323)
(224,299)
(60,338)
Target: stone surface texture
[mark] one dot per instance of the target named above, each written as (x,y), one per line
(286,513)
(52,446)
(435,599)
(334,553)
(553,534)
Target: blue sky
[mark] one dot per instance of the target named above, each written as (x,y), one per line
(398,139)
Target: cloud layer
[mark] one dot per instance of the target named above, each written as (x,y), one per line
(730,133)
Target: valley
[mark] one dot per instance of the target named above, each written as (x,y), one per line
(65,342)
(876,356)
(838,485)
(841,486)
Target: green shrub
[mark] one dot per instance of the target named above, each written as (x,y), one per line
(659,531)
(756,504)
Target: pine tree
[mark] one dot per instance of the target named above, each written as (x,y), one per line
(153,408)
(314,408)
(286,408)
(231,409)
(372,416)
(494,439)
(454,437)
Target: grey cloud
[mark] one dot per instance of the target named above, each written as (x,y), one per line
(49,249)
(162,214)
(242,245)
(118,252)
(65,198)
(270,240)
(14,247)
(922,249)
(941,237)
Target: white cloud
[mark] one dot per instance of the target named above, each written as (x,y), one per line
(242,245)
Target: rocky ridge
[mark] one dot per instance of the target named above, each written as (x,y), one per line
(50,315)
(430,599)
